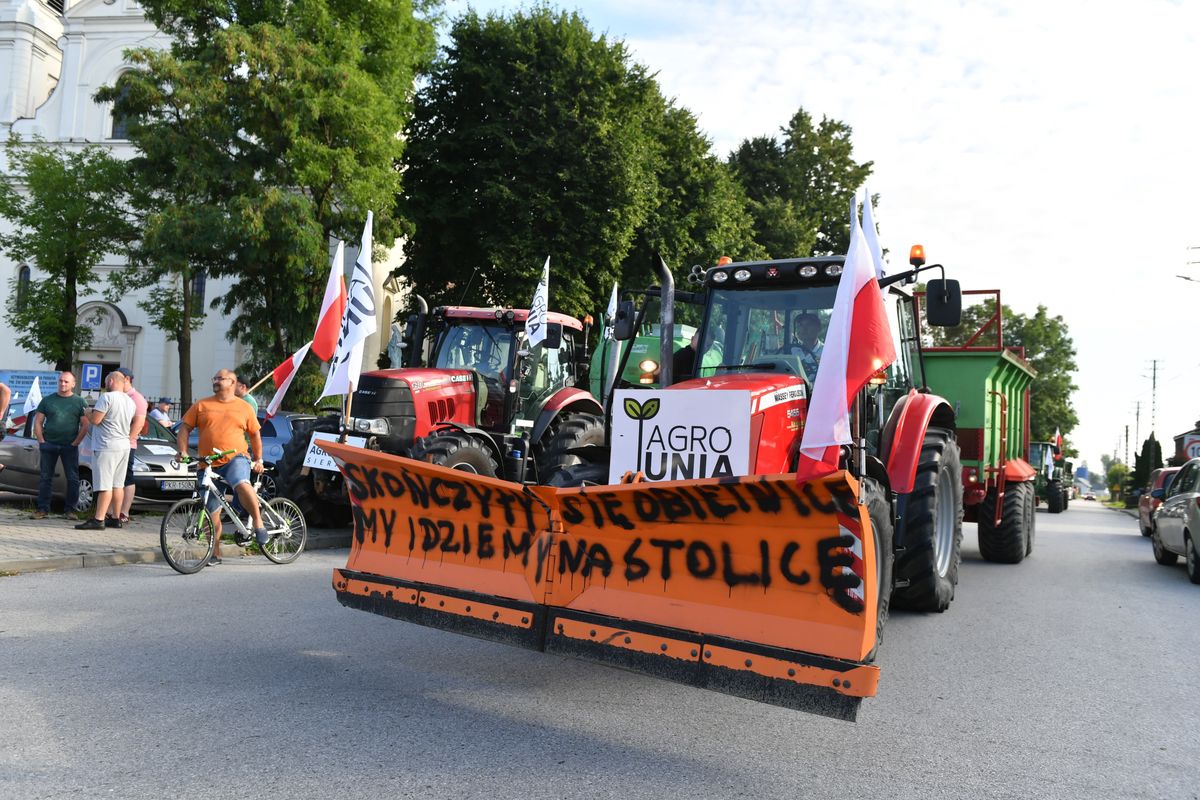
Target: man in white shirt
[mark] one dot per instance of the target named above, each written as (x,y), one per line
(111,420)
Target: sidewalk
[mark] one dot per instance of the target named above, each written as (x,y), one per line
(35,545)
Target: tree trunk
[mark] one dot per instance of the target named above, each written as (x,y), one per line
(183,343)
(66,355)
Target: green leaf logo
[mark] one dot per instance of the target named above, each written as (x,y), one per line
(650,408)
(633,409)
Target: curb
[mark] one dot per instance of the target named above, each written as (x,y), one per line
(317,540)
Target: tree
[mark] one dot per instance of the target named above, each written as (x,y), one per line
(1114,477)
(284,122)
(67,211)
(1145,462)
(530,140)
(800,186)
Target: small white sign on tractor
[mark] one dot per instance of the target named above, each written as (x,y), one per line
(680,434)
(318,458)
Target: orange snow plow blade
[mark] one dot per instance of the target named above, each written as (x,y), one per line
(753,587)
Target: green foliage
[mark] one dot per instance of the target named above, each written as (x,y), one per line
(1115,476)
(529,140)
(276,125)
(800,186)
(1145,462)
(66,210)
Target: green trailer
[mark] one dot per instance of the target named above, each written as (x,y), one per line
(988,385)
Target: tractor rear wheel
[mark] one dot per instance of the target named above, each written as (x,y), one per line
(1054,497)
(927,568)
(299,488)
(880,512)
(552,453)
(1005,543)
(457,450)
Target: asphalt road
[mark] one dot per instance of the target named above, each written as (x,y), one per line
(1071,675)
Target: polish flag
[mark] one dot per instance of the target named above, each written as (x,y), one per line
(333,307)
(282,376)
(1058,441)
(858,345)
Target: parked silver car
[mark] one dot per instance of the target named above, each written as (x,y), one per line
(1177,521)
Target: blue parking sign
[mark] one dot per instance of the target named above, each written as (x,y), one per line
(91,377)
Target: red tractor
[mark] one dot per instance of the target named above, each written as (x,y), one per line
(472,396)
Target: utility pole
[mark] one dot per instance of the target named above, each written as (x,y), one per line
(1127,445)
(1154,395)
(1137,424)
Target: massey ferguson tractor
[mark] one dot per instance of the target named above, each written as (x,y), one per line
(472,396)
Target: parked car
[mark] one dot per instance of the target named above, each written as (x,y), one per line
(276,433)
(157,479)
(1148,503)
(1177,521)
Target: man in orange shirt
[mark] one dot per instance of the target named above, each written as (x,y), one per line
(226,422)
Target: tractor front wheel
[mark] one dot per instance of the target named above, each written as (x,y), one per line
(291,482)
(1007,542)
(457,450)
(927,567)
(880,512)
(569,431)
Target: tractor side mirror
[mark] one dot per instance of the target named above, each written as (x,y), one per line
(943,303)
(623,327)
(553,339)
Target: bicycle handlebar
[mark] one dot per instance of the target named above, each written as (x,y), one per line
(208,460)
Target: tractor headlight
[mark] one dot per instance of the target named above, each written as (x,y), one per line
(833,270)
(742,275)
(720,277)
(378,425)
(807,271)
(649,365)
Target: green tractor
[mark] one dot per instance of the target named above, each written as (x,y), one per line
(1052,489)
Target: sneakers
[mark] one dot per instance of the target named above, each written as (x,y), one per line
(92,524)
(212,562)
(261,536)
(112,522)
(39,514)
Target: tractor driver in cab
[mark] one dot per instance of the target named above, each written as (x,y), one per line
(806,342)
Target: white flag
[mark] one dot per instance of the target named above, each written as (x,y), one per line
(33,399)
(535,324)
(610,314)
(872,238)
(357,324)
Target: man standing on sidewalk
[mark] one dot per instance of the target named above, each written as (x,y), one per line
(59,425)
(140,408)
(226,423)
(242,390)
(111,418)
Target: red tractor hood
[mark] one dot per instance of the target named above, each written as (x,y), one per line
(419,379)
(765,389)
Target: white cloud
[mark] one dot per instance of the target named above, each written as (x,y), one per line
(1048,149)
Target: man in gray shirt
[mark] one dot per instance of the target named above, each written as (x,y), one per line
(111,419)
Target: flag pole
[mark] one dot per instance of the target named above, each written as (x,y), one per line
(261,381)
(349,401)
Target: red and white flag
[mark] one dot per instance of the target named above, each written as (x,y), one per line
(283,375)
(1058,442)
(858,345)
(333,307)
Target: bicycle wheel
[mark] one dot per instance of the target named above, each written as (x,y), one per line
(187,536)
(285,522)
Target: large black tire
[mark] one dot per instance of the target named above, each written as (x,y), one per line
(1161,554)
(585,473)
(1193,558)
(880,512)
(1066,499)
(1054,497)
(927,568)
(457,450)
(299,488)
(568,431)
(1030,518)
(1007,542)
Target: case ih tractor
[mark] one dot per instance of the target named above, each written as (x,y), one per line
(472,397)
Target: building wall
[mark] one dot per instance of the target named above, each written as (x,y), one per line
(50,67)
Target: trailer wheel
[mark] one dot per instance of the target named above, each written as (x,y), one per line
(931,528)
(880,512)
(299,488)
(570,430)
(1054,497)
(1004,543)
(456,450)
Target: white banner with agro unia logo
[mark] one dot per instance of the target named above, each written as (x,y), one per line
(677,435)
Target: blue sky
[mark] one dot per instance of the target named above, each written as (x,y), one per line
(1046,149)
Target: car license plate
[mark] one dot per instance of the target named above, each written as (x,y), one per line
(171,486)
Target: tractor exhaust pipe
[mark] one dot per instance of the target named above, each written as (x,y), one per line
(666,353)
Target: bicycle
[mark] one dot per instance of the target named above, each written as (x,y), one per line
(187,531)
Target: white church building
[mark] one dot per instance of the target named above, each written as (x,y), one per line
(54,56)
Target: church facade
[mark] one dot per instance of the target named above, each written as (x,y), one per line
(54,55)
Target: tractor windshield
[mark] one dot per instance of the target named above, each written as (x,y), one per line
(467,344)
(776,329)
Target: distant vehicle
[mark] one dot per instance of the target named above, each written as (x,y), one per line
(1177,521)
(157,479)
(1148,503)
(1089,496)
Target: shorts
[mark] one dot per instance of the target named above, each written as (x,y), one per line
(234,471)
(129,470)
(108,468)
